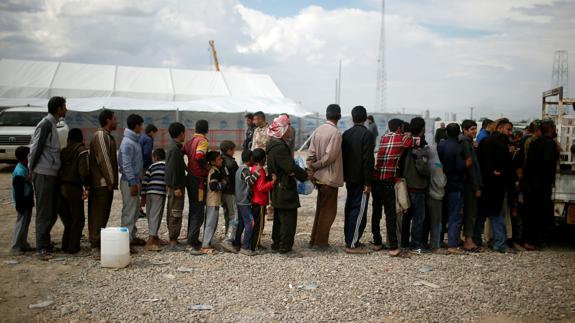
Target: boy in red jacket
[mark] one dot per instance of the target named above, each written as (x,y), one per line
(261,192)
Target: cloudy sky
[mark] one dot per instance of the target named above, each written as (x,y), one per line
(441,55)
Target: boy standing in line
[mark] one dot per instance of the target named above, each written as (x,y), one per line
(23,195)
(216,184)
(229,170)
(154,197)
(74,177)
(175,177)
(244,181)
(261,192)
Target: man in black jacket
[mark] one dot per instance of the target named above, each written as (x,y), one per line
(498,180)
(358,163)
(284,195)
(540,168)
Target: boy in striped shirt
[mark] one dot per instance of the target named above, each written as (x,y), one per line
(154,197)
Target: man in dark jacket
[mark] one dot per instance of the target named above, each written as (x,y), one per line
(74,178)
(416,174)
(284,195)
(358,163)
(498,180)
(471,184)
(540,168)
(451,156)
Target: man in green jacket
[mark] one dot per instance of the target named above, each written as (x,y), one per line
(284,195)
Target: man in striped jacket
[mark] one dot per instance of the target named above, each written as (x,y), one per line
(104,176)
(154,197)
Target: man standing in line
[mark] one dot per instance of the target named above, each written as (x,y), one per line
(131,164)
(416,173)
(471,184)
(250,127)
(391,147)
(196,149)
(358,161)
(103,175)
(451,155)
(44,162)
(440,133)
(325,163)
(498,180)
(372,127)
(487,127)
(540,169)
(260,138)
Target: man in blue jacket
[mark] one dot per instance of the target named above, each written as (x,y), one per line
(450,153)
(130,164)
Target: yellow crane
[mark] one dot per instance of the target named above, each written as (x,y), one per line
(214,54)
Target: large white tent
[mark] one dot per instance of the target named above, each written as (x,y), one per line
(90,87)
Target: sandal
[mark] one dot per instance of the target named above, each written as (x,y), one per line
(474,250)
(377,247)
(208,251)
(152,247)
(456,251)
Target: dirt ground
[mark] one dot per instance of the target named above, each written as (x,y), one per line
(487,287)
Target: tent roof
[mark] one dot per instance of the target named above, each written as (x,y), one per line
(90,87)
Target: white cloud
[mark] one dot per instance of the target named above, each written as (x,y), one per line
(445,55)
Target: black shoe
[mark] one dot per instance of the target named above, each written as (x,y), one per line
(44,255)
(142,214)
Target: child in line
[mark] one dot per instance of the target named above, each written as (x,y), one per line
(229,170)
(260,199)
(154,197)
(216,184)
(244,181)
(74,177)
(23,195)
(175,177)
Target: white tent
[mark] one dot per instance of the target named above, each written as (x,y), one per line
(90,87)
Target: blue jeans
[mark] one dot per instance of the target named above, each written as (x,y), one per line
(417,212)
(455,211)
(497,226)
(245,226)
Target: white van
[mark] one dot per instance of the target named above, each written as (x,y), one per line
(17,127)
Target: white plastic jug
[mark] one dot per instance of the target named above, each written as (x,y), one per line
(115,247)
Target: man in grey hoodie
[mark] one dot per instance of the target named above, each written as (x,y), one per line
(44,165)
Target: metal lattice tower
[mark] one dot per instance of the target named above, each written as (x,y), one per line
(560,75)
(380,96)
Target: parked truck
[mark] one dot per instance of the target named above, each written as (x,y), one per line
(562,111)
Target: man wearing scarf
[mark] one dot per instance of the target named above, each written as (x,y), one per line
(284,195)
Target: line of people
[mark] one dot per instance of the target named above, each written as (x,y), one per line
(424,191)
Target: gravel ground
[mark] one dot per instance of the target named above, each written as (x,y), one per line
(331,286)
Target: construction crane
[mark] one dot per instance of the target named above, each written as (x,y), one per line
(214,54)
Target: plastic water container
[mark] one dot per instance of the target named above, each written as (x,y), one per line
(115,247)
